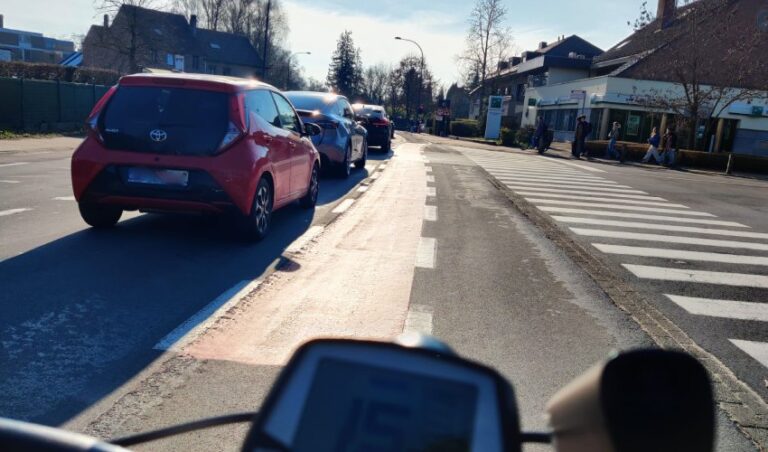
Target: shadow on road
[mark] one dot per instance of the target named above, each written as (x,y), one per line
(79,316)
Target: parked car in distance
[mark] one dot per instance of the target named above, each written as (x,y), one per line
(375,120)
(343,140)
(194,143)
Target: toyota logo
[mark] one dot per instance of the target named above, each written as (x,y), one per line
(158,135)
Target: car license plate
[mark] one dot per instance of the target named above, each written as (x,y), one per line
(150,176)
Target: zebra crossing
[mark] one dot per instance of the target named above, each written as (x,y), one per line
(712,268)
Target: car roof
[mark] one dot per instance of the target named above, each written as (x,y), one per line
(369,107)
(200,81)
(332,97)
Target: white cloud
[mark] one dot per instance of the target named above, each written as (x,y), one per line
(317,30)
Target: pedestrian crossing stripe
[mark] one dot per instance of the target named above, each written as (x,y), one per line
(537,201)
(572,187)
(757,350)
(726,309)
(684,255)
(600,199)
(698,276)
(624,235)
(660,227)
(528,188)
(561,180)
(548,175)
(640,216)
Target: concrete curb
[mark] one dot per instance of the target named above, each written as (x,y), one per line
(742,405)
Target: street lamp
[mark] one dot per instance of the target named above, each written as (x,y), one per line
(288,71)
(421,69)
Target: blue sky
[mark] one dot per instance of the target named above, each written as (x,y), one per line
(438,25)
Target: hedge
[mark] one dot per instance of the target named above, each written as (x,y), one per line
(465,128)
(38,71)
(508,137)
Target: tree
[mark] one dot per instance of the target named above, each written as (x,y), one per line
(708,37)
(345,73)
(406,82)
(374,87)
(488,41)
(314,84)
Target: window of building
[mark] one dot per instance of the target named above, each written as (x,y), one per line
(565,120)
(212,69)
(169,59)
(520,95)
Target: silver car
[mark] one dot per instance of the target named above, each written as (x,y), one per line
(344,141)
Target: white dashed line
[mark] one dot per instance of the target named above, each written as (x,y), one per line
(430,178)
(684,255)
(431,191)
(5,181)
(536,190)
(428,169)
(4,213)
(64,198)
(599,199)
(757,350)
(430,213)
(698,276)
(5,165)
(419,319)
(425,254)
(343,206)
(726,309)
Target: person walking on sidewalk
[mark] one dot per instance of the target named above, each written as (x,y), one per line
(653,149)
(613,136)
(583,129)
(670,148)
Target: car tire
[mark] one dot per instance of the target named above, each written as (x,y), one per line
(360,163)
(255,226)
(343,170)
(309,200)
(100,216)
(386,146)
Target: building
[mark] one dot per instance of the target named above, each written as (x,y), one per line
(145,39)
(568,58)
(18,45)
(646,81)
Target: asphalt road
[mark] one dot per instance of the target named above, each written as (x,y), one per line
(431,246)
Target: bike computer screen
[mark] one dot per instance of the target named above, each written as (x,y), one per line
(358,407)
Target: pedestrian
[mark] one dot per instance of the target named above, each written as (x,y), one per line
(613,136)
(536,133)
(541,133)
(670,147)
(653,149)
(583,129)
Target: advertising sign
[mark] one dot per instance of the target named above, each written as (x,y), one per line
(493,120)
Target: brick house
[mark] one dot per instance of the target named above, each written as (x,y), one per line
(145,39)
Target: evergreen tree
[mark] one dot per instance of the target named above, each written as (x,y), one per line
(345,74)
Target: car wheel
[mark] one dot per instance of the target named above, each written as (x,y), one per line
(100,216)
(360,164)
(386,146)
(343,170)
(256,224)
(310,199)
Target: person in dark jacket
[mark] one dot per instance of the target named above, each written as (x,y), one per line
(583,129)
(670,147)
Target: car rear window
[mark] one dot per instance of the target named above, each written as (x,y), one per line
(165,120)
(311,102)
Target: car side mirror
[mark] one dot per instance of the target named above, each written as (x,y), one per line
(638,401)
(312,130)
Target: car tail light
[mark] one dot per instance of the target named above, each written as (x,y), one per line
(236,125)
(92,123)
(380,122)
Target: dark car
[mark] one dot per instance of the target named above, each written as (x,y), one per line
(343,140)
(194,143)
(375,120)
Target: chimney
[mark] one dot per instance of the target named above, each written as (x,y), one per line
(543,44)
(1,21)
(106,20)
(193,23)
(514,61)
(666,12)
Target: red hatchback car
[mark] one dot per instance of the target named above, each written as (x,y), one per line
(194,143)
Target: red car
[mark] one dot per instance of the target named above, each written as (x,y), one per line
(194,143)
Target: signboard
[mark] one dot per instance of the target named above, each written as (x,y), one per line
(633,125)
(757,110)
(578,94)
(493,120)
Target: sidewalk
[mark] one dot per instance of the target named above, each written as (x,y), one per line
(39,144)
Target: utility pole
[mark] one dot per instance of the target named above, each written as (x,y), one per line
(265,52)
(421,71)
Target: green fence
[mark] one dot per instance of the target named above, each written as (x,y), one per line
(44,105)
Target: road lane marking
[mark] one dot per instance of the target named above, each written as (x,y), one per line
(594,170)
(425,253)
(206,317)
(660,227)
(432,191)
(664,253)
(430,213)
(698,276)
(430,178)
(538,170)
(343,206)
(757,350)
(64,198)
(526,188)
(726,309)
(4,213)
(362,188)
(375,175)
(428,168)
(639,216)
(599,199)
(573,188)
(5,181)
(305,238)
(565,181)
(618,207)
(548,176)
(419,319)
(5,165)
(669,239)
